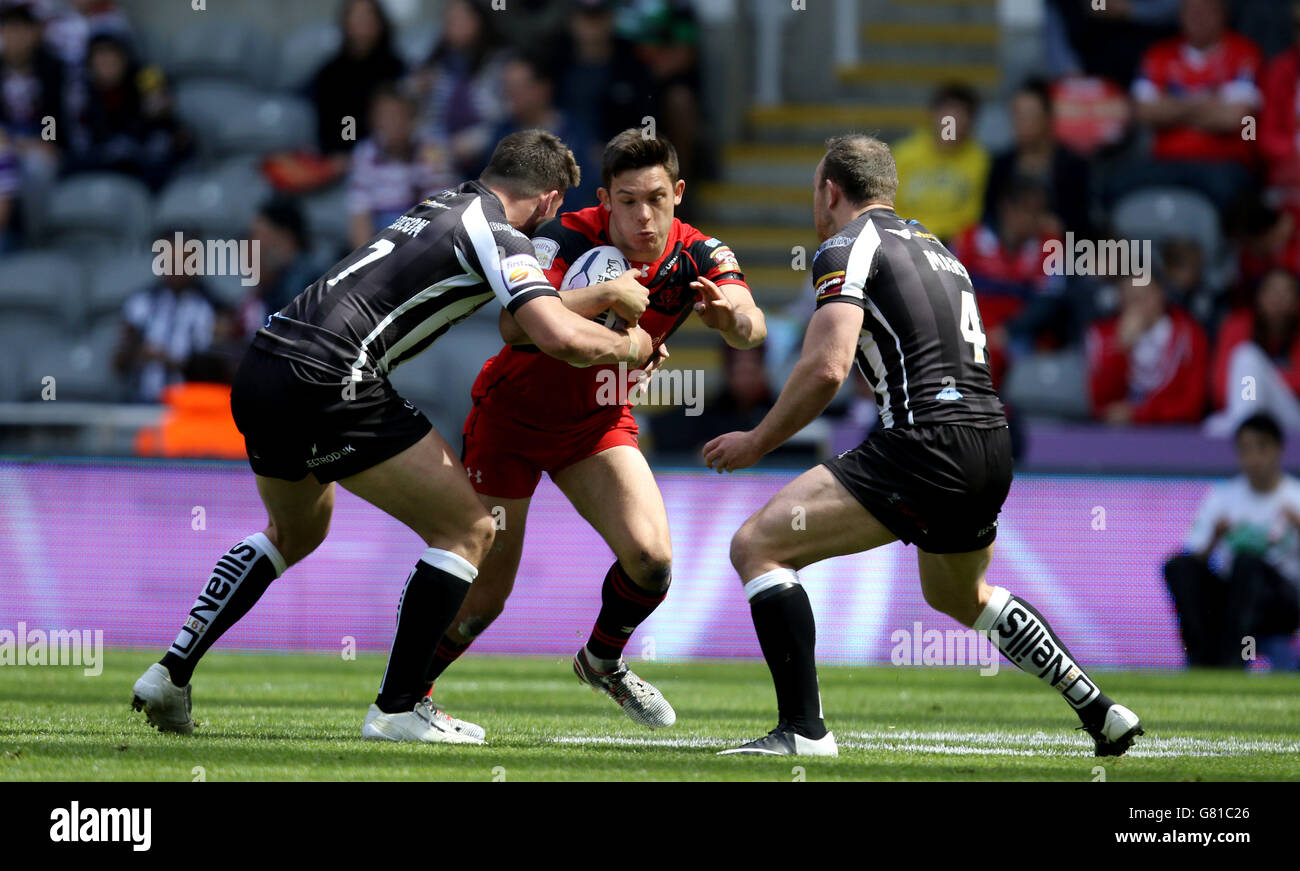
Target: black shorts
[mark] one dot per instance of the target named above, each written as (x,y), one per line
(939,487)
(297,418)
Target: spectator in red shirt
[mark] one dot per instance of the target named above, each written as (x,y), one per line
(1148,363)
(1257,358)
(1279,126)
(1194,91)
(1005,259)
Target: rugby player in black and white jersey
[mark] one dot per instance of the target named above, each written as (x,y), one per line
(313,401)
(934,474)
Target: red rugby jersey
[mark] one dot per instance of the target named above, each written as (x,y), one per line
(549,394)
(1228,70)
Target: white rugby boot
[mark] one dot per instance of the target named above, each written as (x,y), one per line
(424,723)
(166,706)
(785,741)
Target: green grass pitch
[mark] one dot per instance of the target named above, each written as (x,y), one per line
(298,717)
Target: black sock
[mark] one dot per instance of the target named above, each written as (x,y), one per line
(447,652)
(787,632)
(237,581)
(432,596)
(624,607)
(1026,638)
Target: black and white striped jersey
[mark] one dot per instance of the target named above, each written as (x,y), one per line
(922,347)
(389,300)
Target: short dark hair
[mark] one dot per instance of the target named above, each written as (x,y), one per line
(955,92)
(862,166)
(1263,423)
(531,162)
(539,67)
(635,149)
(283,212)
(1040,89)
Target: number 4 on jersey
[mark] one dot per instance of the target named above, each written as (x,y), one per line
(382,248)
(970,325)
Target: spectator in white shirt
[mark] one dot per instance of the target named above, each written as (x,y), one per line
(163,326)
(1239,580)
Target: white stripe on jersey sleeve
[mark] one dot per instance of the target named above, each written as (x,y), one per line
(861,255)
(485,248)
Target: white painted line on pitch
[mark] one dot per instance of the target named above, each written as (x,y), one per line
(948,743)
(640,742)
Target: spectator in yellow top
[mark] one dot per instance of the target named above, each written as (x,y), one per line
(943,169)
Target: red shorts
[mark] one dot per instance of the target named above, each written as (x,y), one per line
(505,458)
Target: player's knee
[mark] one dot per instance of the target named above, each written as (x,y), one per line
(296,542)
(473,626)
(961,606)
(653,571)
(479,537)
(744,547)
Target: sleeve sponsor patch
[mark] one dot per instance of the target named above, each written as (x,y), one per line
(723,256)
(830,284)
(520,270)
(546,250)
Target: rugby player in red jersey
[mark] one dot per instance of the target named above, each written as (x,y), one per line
(531,417)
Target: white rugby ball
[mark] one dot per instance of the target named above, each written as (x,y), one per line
(602,263)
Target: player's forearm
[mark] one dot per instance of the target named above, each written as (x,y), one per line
(585,301)
(590,344)
(750,329)
(1164,111)
(811,387)
(1216,116)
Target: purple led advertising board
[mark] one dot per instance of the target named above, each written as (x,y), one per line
(120,548)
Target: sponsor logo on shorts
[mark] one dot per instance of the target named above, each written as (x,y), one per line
(331,457)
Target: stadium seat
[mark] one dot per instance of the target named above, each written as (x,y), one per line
(207,105)
(1050,384)
(98,211)
(24,335)
(232,119)
(42,283)
(113,279)
(326,213)
(303,52)
(268,123)
(81,364)
(1160,213)
(218,203)
(218,47)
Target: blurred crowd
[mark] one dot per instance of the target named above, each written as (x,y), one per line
(1160,122)
(81,93)
(1173,122)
